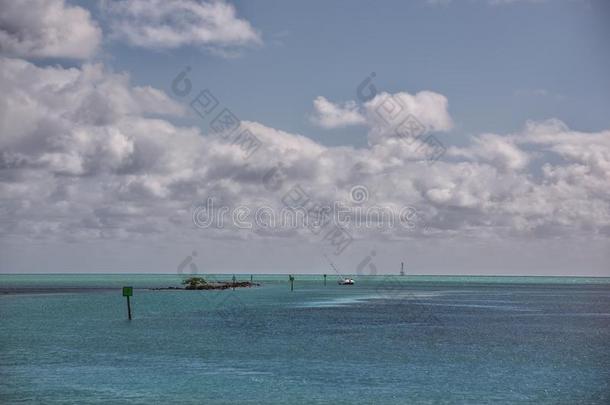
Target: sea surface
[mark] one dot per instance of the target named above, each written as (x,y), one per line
(386,340)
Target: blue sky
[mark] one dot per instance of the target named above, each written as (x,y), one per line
(499,65)
(504,166)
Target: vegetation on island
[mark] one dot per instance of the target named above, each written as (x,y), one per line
(200,283)
(193,283)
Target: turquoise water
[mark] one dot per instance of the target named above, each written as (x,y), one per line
(386,340)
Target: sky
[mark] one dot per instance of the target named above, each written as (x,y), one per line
(458,137)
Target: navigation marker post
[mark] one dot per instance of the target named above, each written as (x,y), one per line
(128,292)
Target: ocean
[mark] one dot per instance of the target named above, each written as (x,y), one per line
(385,340)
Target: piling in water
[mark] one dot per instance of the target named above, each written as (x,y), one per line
(128,292)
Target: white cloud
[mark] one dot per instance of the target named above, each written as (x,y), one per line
(160,24)
(330,115)
(385,113)
(47,28)
(66,120)
(499,151)
(84,155)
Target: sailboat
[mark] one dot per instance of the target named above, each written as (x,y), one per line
(402,268)
(342,280)
(346,281)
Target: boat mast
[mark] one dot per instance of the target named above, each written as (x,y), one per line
(333,266)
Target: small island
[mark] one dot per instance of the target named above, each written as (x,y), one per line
(200,283)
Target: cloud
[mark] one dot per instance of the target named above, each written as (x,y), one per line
(497,150)
(330,115)
(67,120)
(47,29)
(587,153)
(86,155)
(159,24)
(385,113)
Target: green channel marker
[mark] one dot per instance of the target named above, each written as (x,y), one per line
(128,292)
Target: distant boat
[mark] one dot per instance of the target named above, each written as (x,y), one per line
(402,268)
(343,280)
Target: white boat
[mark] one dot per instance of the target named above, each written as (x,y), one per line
(346,281)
